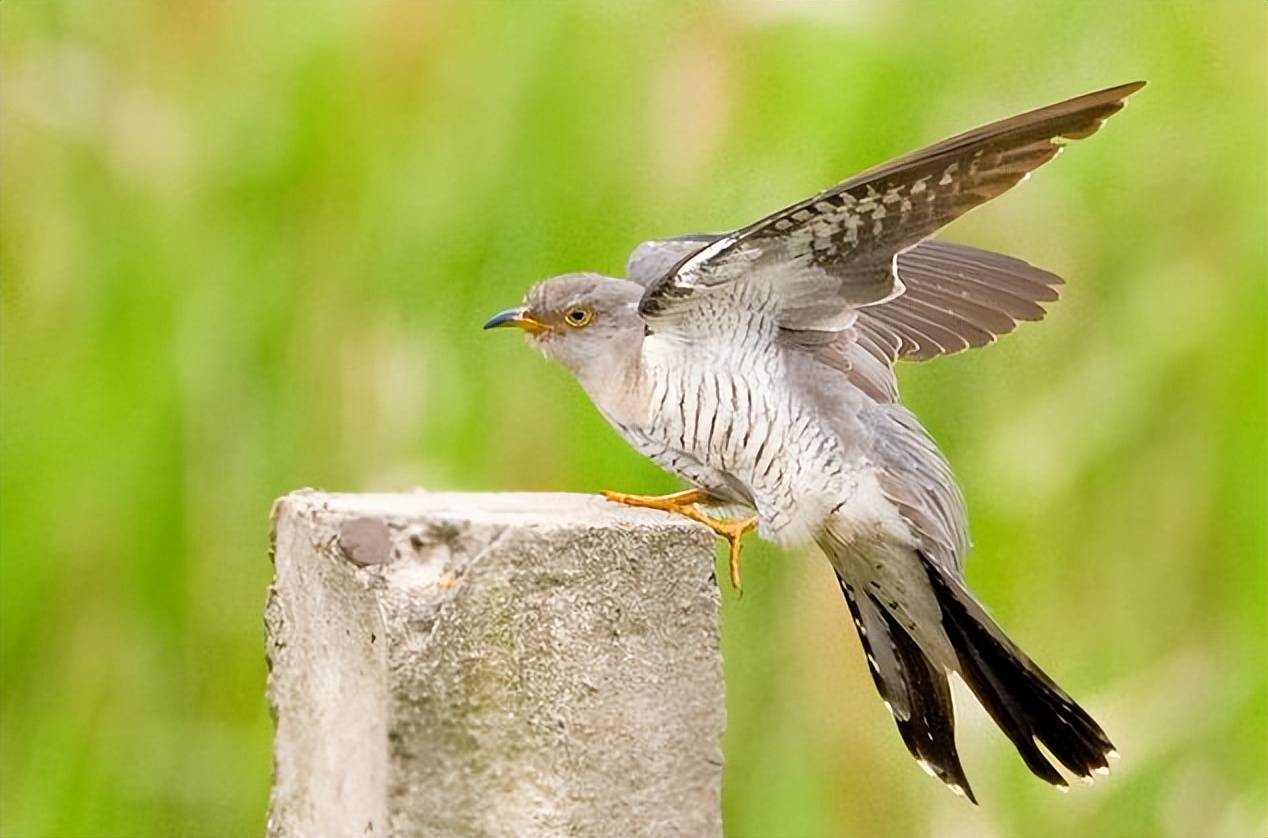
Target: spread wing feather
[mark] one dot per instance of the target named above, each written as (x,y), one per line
(955,297)
(958,297)
(840,249)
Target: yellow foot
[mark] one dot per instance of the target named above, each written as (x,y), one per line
(684,504)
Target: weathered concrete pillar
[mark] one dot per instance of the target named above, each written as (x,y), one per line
(502,664)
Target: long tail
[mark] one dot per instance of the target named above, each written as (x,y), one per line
(913,688)
(1023,700)
(1026,704)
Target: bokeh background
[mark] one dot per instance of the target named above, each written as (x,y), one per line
(247,247)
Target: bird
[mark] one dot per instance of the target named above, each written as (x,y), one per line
(758,367)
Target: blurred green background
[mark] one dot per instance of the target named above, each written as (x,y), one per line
(247,247)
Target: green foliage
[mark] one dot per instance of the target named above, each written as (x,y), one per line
(247,247)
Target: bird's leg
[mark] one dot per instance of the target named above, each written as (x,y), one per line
(684,504)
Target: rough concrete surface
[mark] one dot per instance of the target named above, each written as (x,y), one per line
(501,664)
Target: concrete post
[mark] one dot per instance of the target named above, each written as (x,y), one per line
(502,664)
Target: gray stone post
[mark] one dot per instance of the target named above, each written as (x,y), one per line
(499,664)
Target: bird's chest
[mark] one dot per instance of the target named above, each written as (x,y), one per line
(727,414)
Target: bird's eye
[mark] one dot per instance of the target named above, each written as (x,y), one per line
(578,317)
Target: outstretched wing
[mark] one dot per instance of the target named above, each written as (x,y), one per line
(955,297)
(809,265)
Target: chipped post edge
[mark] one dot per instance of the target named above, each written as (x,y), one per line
(416,640)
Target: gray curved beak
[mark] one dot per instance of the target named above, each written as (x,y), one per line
(515,317)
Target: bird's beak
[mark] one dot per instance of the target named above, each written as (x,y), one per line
(515,317)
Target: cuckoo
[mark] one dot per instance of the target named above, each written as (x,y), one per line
(758,366)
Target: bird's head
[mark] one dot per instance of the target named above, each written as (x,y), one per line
(583,321)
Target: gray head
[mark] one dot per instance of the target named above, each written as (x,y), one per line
(586,322)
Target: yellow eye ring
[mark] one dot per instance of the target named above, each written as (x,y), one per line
(578,317)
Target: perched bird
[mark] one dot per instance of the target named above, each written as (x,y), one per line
(758,367)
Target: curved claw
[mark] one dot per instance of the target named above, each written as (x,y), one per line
(733,532)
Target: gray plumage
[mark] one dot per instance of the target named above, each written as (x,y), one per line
(758,366)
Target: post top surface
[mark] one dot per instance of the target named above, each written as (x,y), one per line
(552,508)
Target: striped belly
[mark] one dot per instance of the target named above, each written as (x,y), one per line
(729,416)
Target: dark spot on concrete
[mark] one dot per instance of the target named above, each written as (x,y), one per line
(365,541)
(445,531)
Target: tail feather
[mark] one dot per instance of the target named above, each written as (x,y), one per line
(915,690)
(1021,698)
(1027,705)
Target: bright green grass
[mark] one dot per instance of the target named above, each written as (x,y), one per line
(247,247)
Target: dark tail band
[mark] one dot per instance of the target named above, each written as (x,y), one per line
(916,691)
(1026,704)
(1021,698)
